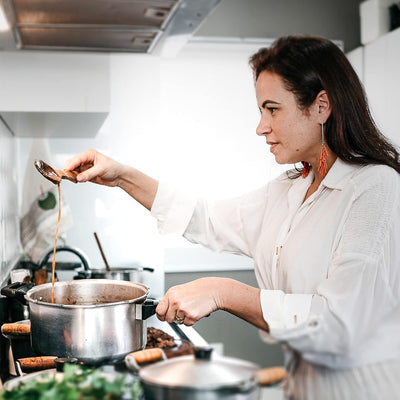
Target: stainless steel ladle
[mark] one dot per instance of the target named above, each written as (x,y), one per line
(55,175)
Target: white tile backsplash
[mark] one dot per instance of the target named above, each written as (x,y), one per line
(9,216)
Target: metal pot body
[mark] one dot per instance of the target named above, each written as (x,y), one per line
(155,392)
(95,320)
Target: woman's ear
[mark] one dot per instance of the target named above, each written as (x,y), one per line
(324,105)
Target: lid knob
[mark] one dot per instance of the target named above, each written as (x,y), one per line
(60,362)
(203,353)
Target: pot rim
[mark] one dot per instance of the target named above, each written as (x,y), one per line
(115,270)
(243,386)
(118,269)
(44,286)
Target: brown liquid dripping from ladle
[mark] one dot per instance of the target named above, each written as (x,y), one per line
(55,176)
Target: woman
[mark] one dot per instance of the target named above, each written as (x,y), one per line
(323,237)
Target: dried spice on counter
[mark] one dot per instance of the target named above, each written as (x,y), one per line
(156,338)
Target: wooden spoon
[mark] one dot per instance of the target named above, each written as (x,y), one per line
(102,252)
(55,175)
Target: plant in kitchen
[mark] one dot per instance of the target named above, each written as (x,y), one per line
(77,383)
(47,201)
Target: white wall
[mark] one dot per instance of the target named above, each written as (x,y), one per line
(377,65)
(9,221)
(189,120)
(382,82)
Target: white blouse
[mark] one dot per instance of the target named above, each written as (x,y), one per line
(328,267)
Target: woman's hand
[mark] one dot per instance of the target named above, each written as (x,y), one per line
(190,302)
(98,168)
(194,300)
(95,167)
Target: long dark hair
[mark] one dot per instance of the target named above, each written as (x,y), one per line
(309,64)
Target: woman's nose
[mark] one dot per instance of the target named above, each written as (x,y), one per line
(263,127)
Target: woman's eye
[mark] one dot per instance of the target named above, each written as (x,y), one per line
(272,109)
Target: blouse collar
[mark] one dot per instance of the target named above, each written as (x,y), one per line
(339,174)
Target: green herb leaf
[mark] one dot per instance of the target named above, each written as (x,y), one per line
(78,383)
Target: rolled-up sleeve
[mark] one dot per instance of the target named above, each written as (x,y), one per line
(173,209)
(285,311)
(216,225)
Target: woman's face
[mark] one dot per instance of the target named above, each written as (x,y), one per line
(293,134)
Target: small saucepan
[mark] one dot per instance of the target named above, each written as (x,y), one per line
(201,376)
(134,274)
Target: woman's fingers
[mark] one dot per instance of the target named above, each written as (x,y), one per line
(91,174)
(88,157)
(167,308)
(162,308)
(94,167)
(186,304)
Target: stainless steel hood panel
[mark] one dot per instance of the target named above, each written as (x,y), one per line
(94,12)
(102,25)
(82,38)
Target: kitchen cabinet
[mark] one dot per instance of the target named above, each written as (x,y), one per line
(382,82)
(48,94)
(356,57)
(377,65)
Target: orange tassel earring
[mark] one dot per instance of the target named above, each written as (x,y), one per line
(306,169)
(323,156)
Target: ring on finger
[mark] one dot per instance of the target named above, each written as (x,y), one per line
(179,320)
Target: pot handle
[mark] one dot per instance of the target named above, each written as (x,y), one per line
(134,360)
(17,290)
(16,329)
(146,309)
(30,364)
(271,375)
(82,256)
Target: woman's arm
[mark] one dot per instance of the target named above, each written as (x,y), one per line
(98,168)
(197,299)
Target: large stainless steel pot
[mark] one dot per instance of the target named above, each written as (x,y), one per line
(94,320)
(199,377)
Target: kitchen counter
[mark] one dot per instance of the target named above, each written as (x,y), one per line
(272,393)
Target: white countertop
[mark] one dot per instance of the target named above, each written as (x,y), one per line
(271,393)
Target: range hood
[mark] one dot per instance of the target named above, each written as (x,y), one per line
(60,86)
(104,25)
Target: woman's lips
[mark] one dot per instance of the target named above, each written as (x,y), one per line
(272,146)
